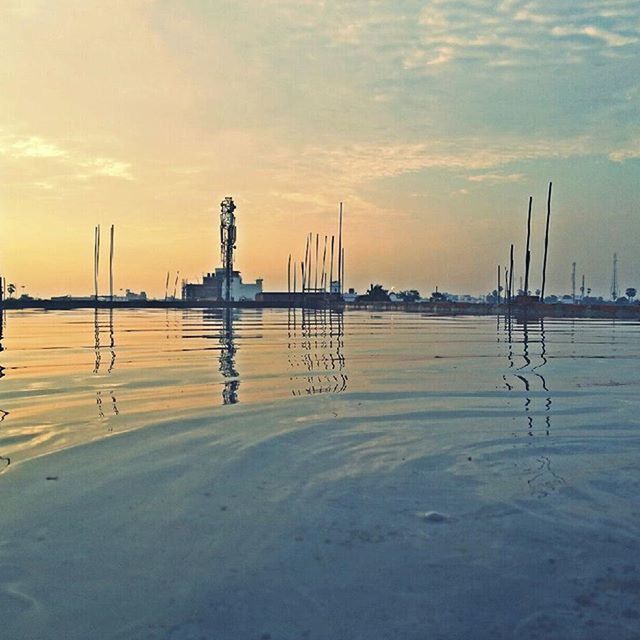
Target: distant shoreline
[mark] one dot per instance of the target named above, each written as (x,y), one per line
(530,309)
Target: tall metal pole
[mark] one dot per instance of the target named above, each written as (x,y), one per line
(331,264)
(96,259)
(507,297)
(294,277)
(499,285)
(527,259)
(323,279)
(546,245)
(111,265)
(573,282)
(317,243)
(511,273)
(340,253)
(305,266)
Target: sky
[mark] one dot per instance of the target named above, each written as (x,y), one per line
(432,120)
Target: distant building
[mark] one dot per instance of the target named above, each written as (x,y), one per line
(350,296)
(213,287)
(132,295)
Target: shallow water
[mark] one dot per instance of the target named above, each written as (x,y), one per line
(397,475)
(73,376)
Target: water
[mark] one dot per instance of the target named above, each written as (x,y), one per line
(73,376)
(402,475)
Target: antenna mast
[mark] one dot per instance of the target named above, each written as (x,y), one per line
(227,241)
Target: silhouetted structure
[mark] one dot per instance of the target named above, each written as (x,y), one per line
(224,284)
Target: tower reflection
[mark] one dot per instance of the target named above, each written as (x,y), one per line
(316,347)
(227,359)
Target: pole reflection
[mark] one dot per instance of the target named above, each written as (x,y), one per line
(316,346)
(98,348)
(527,357)
(4,460)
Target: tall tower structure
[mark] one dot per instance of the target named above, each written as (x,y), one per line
(227,241)
(614,279)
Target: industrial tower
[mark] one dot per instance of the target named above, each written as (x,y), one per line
(227,241)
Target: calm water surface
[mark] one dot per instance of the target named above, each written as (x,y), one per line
(357,476)
(73,376)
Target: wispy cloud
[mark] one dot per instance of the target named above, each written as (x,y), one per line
(366,162)
(30,147)
(496,178)
(71,163)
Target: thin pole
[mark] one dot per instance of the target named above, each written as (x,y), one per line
(331,265)
(166,287)
(323,280)
(289,276)
(342,275)
(294,276)
(506,286)
(95,258)
(302,275)
(499,284)
(175,285)
(511,273)
(111,265)
(340,252)
(527,260)
(306,264)
(317,243)
(96,262)
(546,245)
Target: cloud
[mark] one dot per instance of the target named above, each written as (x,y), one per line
(496,178)
(361,162)
(107,167)
(610,38)
(30,147)
(70,162)
(630,152)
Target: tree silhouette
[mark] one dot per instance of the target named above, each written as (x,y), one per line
(630,293)
(375,293)
(11,289)
(411,295)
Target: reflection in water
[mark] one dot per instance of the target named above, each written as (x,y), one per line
(316,344)
(97,347)
(227,359)
(100,405)
(218,325)
(527,356)
(4,461)
(97,329)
